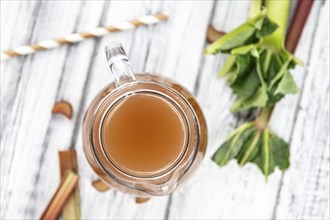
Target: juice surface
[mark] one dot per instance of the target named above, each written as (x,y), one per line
(143,133)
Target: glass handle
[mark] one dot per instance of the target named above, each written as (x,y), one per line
(118,62)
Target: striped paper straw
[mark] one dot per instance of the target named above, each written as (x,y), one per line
(77,37)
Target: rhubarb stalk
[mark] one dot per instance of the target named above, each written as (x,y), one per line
(64,190)
(297,25)
(100,186)
(68,161)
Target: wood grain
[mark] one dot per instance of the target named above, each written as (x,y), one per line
(31,136)
(306,188)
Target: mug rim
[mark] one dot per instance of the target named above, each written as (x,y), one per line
(185,161)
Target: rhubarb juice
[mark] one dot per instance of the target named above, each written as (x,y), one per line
(143,134)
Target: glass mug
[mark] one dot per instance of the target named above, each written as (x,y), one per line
(143,134)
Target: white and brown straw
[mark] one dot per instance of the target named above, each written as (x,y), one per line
(77,37)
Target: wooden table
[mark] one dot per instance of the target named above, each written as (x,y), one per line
(31,136)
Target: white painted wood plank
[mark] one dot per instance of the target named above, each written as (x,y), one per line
(29,166)
(232,192)
(17,21)
(306,188)
(193,42)
(16,18)
(74,74)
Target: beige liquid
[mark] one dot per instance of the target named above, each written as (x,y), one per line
(143,134)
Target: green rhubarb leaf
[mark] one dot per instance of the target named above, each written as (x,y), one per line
(280,74)
(250,149)
(280,153)
(258,21)
(285,54)
(243,64)
(246,33)
(267,28)
(227,66)
(243,49)
(245,82)
(287,85)
(273,98)
(247,144)
(258,73)
(257,99)
(231,147)
(235,38)
(274,153)
(256,49)
(246,85)
(297,61)
(274,66)
(231,77)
